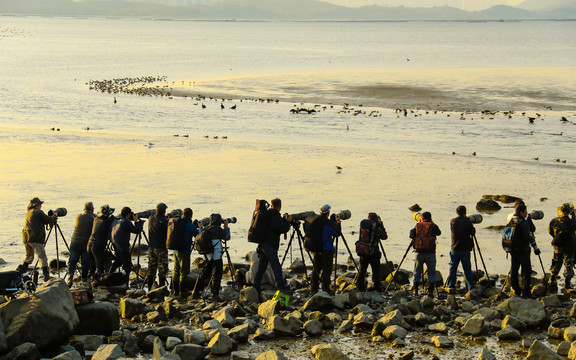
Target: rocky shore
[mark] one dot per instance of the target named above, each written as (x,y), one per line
(485,323)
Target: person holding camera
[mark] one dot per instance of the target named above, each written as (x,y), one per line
(371,232)
(120,234)
(423,237)
(98,240)
(323,259)
(562,229)
(268,251)
(182,253)
(79,243)
(218,231)
(463,232)
(157,252)
(522,239)
(34,236)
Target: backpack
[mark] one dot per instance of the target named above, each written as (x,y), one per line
(203,243)
(176,231)
(508,236)
(366,238)
(561,234)
(424,240)
(259,225)
(313,239)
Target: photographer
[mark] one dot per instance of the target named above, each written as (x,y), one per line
(157,252)
(562,230)
(372,230)
(462,244)
(268,251)
(329,229)
(218,231)
(98,240)
(423,237)
(34,236)
(120,234)
(79,243)
(182,255)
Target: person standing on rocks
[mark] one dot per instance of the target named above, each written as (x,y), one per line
(522,239)
(423,237)
(99,239)
(182,255)
(323,259)
(34,236)
(218,231)
(157,252)
(462,244)
(79,243)
(371,232)
(268,251)
(562,229)
(120,234)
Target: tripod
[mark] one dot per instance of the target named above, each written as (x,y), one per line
(296,232)
(336,255)
(211,281)
(56,232)
(475,247)
(138,239)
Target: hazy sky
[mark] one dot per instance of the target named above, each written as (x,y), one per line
(462,4)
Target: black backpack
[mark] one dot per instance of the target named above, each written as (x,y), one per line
(259,225)
(313,238)
(176,230)
(203,243)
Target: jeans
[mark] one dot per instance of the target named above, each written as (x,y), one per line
(268,254)
(520,258)
(322,265)
(456,257)
(430,260)
(77,251)
(97,259)
(213,272)
(38,248)
(374,262)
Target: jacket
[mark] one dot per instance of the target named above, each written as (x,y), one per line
(101,230)
(277,225)
(462,233)
(82,228)
(157,231)
(329,232)
(523,237)
(120,233)
(34,226)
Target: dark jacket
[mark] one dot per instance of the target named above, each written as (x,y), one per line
(101,230)
(567,225)
(120,233)
(34,226)
(522,235)
(157,231)
(462,233)
(277,225)
(379,233)
(190,231)
(83,228)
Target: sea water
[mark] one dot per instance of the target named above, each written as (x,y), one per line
(141,150)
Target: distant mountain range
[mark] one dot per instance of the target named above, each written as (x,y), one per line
(285,10)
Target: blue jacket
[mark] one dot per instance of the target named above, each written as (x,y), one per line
(121,230)
(189,232)
(329,232)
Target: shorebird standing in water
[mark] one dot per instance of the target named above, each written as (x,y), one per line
(339,169)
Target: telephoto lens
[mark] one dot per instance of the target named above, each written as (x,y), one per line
(302,215)
(417,217)
(232,220)
(537,215)
(475,218)
(176,213)
(60,212)
(345,214)
(145,214)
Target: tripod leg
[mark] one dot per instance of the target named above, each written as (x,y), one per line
(288,247)
(335,261)
(383,252)
(299,234)
(481,257)
(475,260)
(398,268)
(350,252)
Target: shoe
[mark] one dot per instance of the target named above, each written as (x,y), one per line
(70,281)
(46,273)
(22,268)
(567,284)
(415,288)
(430,290)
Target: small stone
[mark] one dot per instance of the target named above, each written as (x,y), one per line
(508,333)
(563,348)
(485,354)
(540,351)
(442,342)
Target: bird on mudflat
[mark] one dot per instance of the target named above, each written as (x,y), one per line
(339,169)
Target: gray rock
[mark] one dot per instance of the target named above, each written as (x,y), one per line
(394,332)
(271,355)
(327,352)
(155,317)
(468,306)
(240,333)
(25,351)
(109,352)
(91,342)
(147,344)
(573,311)
(513,321)
(488,314)
(474,325)
(69,355)
(529,311)
(508,333)
(170,356)
(249,295)
(570,333)
(407,356)
(158,294)
(555,333)
(159,350)
(221,344)
(346,325)
(392,318)
(321,301)
(442,342)
(438,328)
(25,319)
(313,328)
(225,316)
(563,348)
(132,307)
(287,326)
(99,318)
(269,308)
(264,334)
(487,205)
(539,351)
(364,321)
(572,351)
(191,351)
(171,342)
(485,354)
(212,324)
(194,337)
(241,355)
(551,301)
(398,342)
(166,331)
(414,306)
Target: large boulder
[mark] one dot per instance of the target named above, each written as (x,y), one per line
(109,352)
(221,344)
(487,205)
(321,301)
(531,312)
(132,307)
(99,318)
(269,308)
(288,326)
(25,351)
(191,351)
(47,318)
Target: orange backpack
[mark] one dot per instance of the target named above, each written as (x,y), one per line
(424,240)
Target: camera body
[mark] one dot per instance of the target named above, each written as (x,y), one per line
(59,212)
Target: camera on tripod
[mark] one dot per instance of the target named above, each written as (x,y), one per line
(145,214)
(344,214)
(231,220)
(475,218)
(59,212)
(537,215)
(301,215)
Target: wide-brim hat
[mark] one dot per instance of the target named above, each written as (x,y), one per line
(35,202)
(106,210)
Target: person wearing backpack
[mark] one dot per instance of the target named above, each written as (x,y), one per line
(157,252)
(562,229)
(522,239)
(463,232)
(371,232)
(324,257)
(182,253)
(268,250)
(423,237)
(217,231)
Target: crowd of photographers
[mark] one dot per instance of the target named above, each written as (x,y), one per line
(101,243)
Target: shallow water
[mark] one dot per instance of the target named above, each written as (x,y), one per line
(390,161)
